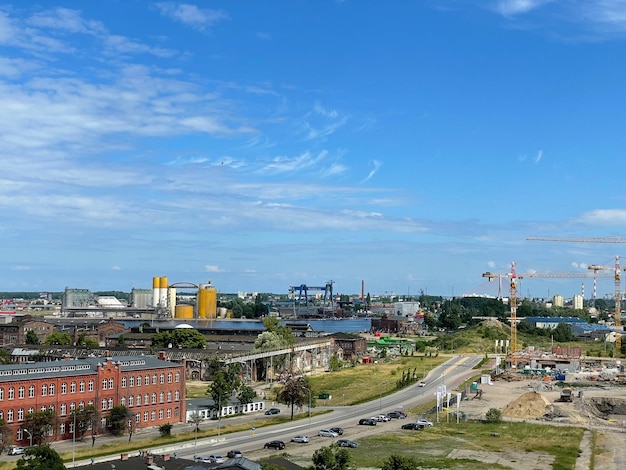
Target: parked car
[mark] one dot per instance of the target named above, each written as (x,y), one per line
(382,418)
(204,459)
(302,439)
(272,411)
(346,443)
(17,450)
(396,414)
(327,433)
(425,422)
(338,430)
(367,422)
(216,458)
(234,454)
(279,445)
(413,426)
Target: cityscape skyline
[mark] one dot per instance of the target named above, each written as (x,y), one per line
(410,145)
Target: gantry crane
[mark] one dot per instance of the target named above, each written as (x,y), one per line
(513,276)
(617,274)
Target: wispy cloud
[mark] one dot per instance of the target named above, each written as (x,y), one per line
(538,156)
(376,166)
(517,7)
(605,217)
(212,268)
(191,15)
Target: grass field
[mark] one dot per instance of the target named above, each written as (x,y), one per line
(431,447)
(366,382)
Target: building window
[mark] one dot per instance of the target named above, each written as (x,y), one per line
(146,399)
(169,378)
(81,405)
(111,384)
(132,381)
(175,412)
(62,429)
(146,380)
(63,409)
(51,390)
(44,390)
(90,403)
(70,425)
(169,413)
(177,377)
(169,396)
(43,407)
(177,395)
(123,382)
(145,417)
(11,393)
(73,387)
(10,415)
(161,414)
(20,414)
(20,434)
(138,400)
(91,385)
(104,404)
(72,407)
(153,398)
(123,401)
(131,400)
(1,394)
(138,418)
(1,414)
(51,407)
(31,410)
(104,384)
(81,386)
(20,392)
(139,381)
(63,388)
(31,391)
(153,415)
(162,378)
(161,397)
(110,403)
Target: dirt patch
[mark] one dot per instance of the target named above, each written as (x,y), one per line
(529,405)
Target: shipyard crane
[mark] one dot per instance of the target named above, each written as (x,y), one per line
(617,274)
(513,276)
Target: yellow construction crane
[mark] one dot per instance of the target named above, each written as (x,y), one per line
(617,275)
(513,276)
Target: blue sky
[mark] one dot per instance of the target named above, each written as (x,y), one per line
(413,145)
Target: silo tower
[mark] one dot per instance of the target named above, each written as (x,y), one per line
(207,301)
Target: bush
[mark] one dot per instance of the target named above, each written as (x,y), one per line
(493,415)
(165,429)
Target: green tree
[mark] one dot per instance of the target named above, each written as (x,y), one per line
(562,333)
(493,415)
(295,392)
(86,418)
(332,458)
(31,337)
(399,462)
(165,429)
(334,363)
(83,341)
(59,339)
(5,357)
(118,417)
(6,436)
(246,394)
(185,338)
(41,457)
(39,424)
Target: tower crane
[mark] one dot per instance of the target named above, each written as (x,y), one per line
(579,239)
(617,274)
(513,276)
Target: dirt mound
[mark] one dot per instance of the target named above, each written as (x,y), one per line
(529,405)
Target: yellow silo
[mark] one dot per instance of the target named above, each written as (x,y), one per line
(184,311)
(163,291)
(207,301)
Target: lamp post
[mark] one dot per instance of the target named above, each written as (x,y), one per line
(309,390)
(74,441)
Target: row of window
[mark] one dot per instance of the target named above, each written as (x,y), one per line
(132,401)
(107,384)
(147,416)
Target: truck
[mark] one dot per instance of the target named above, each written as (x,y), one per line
(566,394)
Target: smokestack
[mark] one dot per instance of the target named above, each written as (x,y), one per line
(362,290)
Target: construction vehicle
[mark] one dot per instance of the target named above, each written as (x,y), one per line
(566,394)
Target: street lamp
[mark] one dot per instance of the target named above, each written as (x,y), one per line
(74,441)
(308,389)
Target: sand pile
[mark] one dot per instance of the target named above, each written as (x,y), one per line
(529,405)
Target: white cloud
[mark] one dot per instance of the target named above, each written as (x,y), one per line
(116,268)
(376,166)
(191,15)
(517,7)
(538,156)
(211,268)
(605,217)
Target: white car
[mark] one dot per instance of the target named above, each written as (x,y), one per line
(17,451)
(327,433)
(216,458)
(302,439)
(382,418)
(424,422)
(422,384)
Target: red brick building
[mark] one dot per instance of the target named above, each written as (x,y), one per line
(151,387)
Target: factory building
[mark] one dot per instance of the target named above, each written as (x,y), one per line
(152,388)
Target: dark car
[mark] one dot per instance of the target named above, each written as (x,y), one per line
(272,411)
(338,430)
(278,445)
(234,454)
(367,422)
(413,426)
(346,443)
(396,414)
